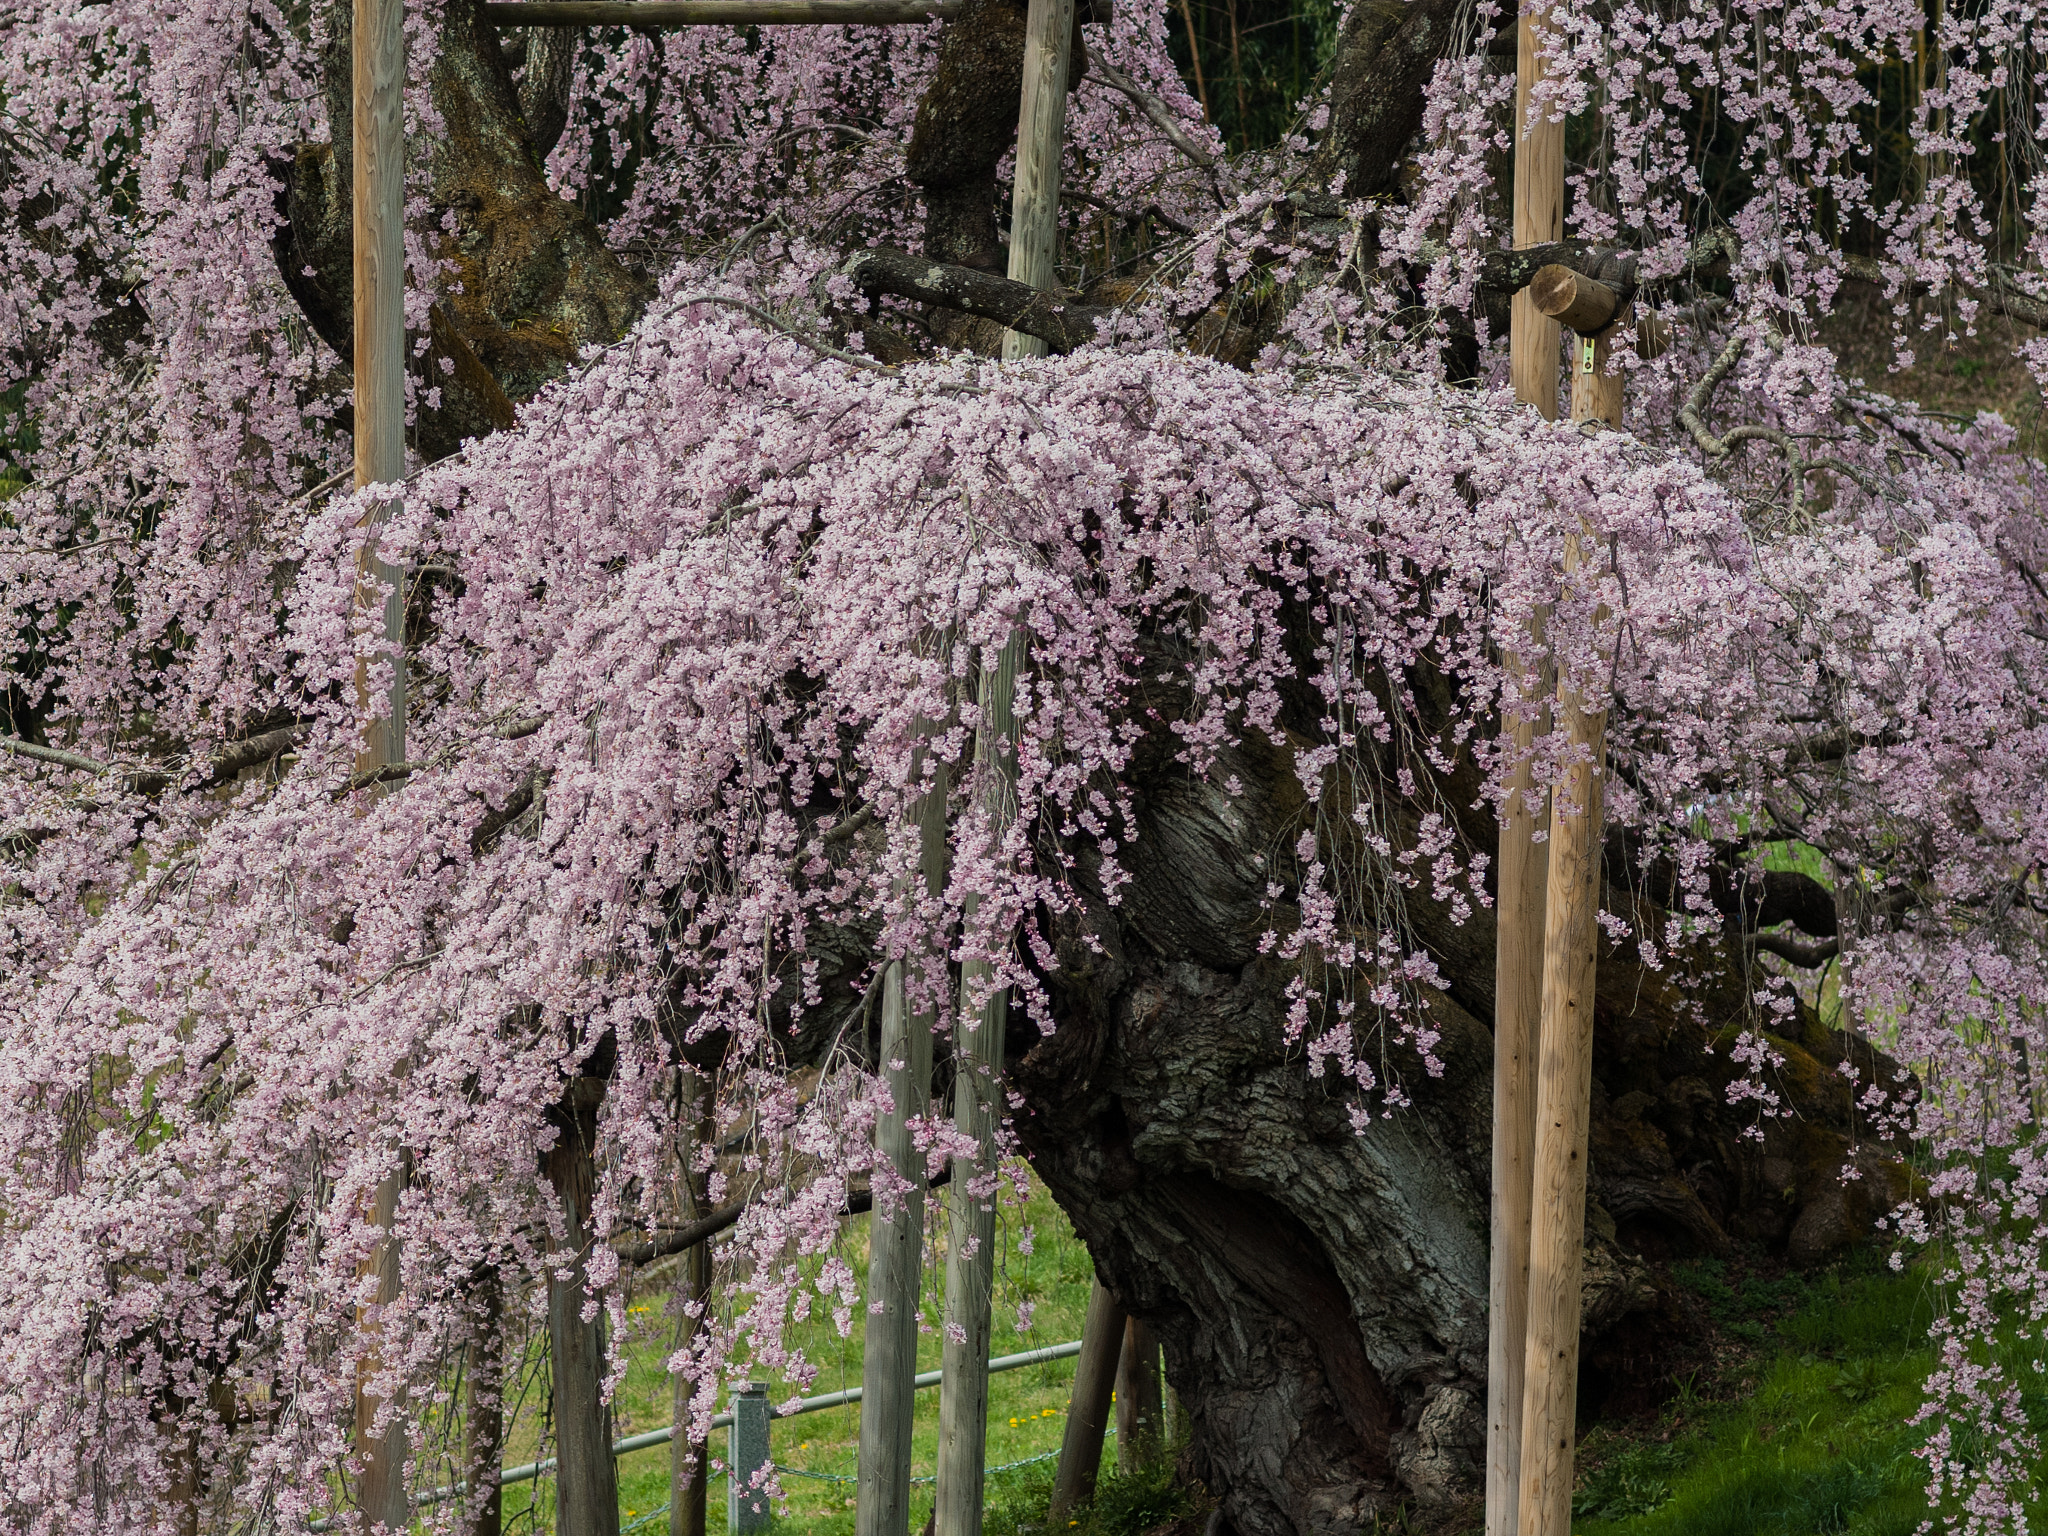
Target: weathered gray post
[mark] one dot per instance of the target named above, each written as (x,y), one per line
(896,1240)
(1041,138)
(748,1461)
(977,1102)
(378,191)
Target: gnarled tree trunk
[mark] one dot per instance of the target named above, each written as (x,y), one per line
(1320,1291)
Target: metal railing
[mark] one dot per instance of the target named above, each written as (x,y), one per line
(527,1472)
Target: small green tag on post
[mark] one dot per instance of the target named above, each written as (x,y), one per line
(1586,355)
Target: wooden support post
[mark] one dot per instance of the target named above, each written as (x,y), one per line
(586,1479)
(380,1486)
(717,13)
(378,189)
(1532,365)
(689,1461)
(1539,214)
(1041,139)
(1517,1003)
(1139,1415)
(896,1244)
(484,1431)
(1589,308)
(1564,1091)
(1102,1346)
(977,1105)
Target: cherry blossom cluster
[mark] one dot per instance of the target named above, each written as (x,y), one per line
(688,644)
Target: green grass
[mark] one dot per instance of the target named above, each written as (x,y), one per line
(1815,1436)
(1027,1408)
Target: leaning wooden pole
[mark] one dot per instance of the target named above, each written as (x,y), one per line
(1041,139)
(977,1106)
(1095,1370)
(1539,214)
(896,1239)
(1140,1416)
(378,45)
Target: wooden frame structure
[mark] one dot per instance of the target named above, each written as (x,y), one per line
(379,202)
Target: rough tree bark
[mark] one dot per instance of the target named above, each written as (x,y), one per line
(1320,1293)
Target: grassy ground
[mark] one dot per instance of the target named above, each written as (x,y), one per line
(1027,1407)
(1796,1423)
(1800,1427)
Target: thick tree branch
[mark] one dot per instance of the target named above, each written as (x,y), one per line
(1062,326)
(682,1238)
(1805,953)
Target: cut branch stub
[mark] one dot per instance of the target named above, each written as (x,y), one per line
(1574,300)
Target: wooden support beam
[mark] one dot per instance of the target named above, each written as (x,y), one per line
(1102,1344)
(1585,304)
(1564,1090)
(1140,1419)
(1517,1004)
(1596,388)
(977,1104)
(717,13)
(484,1429)
(689,1461)
(896,1243)
(1041,138)
(1518,944)
(1539,214)
(586,1477)
(378,190)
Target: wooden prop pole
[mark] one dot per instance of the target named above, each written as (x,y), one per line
(895,1246)
(378,46)
(484,1432)
(586,1476)
(1564,1090)
(1139,1415)
(1518,939)
(977,1105)
(716,13)
(1041,138)
(1539,215)
(1102,1346)
(689,1463)
(1518,992)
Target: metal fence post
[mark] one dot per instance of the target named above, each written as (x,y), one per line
(747,1458)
